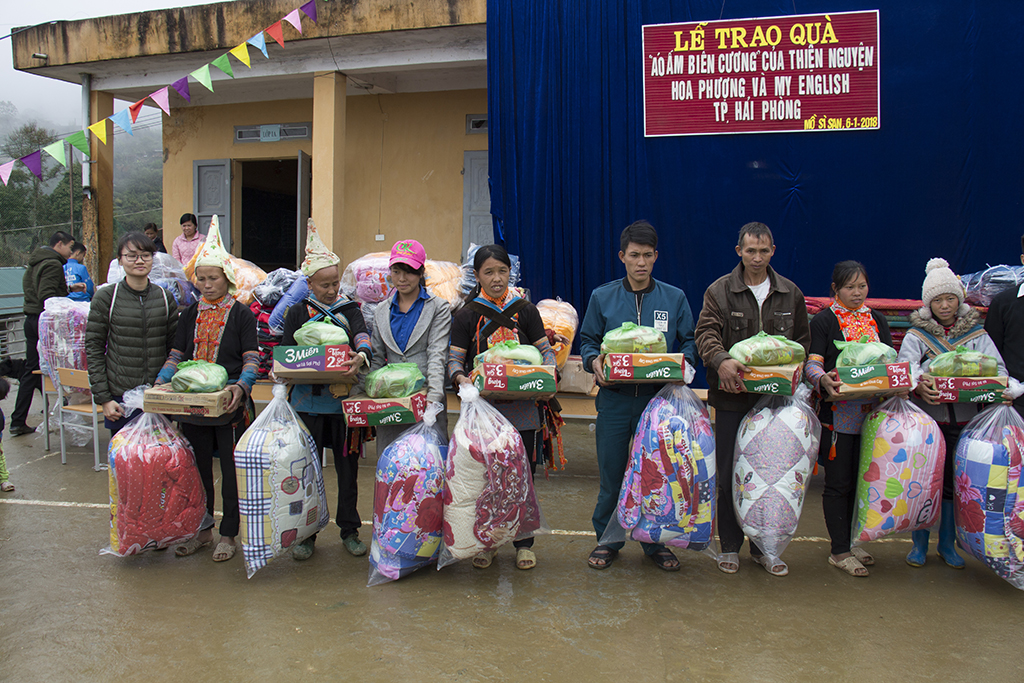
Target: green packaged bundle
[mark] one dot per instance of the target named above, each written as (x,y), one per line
(510,353)
(199,377)
(864,352)
(962,362)
(396,380)
(317,333)
(633,338)
(767,349)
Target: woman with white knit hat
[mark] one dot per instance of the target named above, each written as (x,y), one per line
(942,324)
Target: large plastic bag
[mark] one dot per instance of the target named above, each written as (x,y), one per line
(369,311)
(156,493)
(776,446)
(199,377)
(489,498)
(270,291)
(443,281)
(248,276)
(984,285)
(668,493)
(408,506)
(281,493)
(863,352)
(366,278)
(767,349)
(183,291)
(988,478)
(899,483)
(296,293)
(962,362)
(165,267)
(510,353)
(396,380)
(62,336)
(633,338)
(319,333)
(561,318)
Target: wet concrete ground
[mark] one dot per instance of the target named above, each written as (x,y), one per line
(70,614)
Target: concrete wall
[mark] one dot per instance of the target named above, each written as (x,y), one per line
(419,194)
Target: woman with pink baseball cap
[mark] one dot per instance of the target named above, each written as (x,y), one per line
(411,326)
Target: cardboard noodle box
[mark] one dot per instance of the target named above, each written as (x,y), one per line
(312,364)
(165,401)
(643,367)
(576,380)
(971,389)
(865,381)
(363,411)
(778,380)
(508,381)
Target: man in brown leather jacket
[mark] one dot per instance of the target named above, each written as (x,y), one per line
(751,298)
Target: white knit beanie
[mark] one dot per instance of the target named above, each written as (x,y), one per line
(938,280)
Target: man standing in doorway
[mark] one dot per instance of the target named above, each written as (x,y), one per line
(188,242)
(752,298)
(43,279)
(638,298)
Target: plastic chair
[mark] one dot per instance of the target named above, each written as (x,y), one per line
(78,379)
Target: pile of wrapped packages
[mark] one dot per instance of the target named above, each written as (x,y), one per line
(366,280)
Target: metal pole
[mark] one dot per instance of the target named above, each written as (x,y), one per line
(86,110)
(71,189)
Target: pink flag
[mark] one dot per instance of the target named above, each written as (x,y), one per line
(309,9)
(34,161)
(5,171)
(160,97)
(295,20)
(181,85)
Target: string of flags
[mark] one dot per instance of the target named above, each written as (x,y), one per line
(126,117)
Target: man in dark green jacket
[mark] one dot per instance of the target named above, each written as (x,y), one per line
(43,279)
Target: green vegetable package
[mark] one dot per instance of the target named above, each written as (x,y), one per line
(199,377)
(963,363)
(767,349)
(511,353)
(396,380)
(316,333)
(864,352)
(633,338)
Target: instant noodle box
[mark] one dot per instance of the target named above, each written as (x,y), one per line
(312,364)
(165,401)
(778,380)
(970,389)
(645,368)
(863,381)
(498,380)
(363,411)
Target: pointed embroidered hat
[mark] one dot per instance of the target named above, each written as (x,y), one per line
(318,256)
(213,253)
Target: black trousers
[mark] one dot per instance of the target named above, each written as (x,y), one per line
(330,431)
(730,535)
(840,494)
(29,382)
(205,440)
(530,442)
(951,434)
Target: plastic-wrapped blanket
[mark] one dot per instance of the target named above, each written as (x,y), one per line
(183,291)
(443,281)
(408,501)
(767,349)
(281,494)
(776,446)
(899,485)
(668,494)
(271,290)
(489,498)
(156,494)
(989,507)
(296,293)
(62,336)
(561,318)
(984,285)
(366,278)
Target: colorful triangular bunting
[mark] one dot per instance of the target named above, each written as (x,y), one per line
(294,19)
(5,171)
(224,64)
(275,32)
(79,142)
(202,74)
(241,53)
(160,97)
(135,109)
(181,85)
(309,9)
(99,129)
(56,150)
(259,42)
(34,161)
(123,120)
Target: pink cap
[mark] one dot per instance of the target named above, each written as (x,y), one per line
(409,252)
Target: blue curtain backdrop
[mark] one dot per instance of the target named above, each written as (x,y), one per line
(570,167)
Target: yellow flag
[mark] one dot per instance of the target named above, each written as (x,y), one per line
(99,129)
(241,53)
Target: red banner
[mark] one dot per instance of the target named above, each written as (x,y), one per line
(813,72)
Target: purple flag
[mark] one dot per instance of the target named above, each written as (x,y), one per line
(181,85)
(309,9)
(34,161)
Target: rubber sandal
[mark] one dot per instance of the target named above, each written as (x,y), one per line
(725,559)
(602,557)
(779,568)
(224,552)
(190,547)
(7,487)
(525,559)
(354,546)
(851,565)
(864,556)
(303,551)
(663,557)
(484,559)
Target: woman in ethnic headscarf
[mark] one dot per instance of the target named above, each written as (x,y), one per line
(319,405)
(219,330)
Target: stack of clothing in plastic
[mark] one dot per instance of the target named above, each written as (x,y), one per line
(265,297)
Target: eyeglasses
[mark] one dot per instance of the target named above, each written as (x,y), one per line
(143,257)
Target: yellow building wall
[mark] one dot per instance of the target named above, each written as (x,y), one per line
(404,158)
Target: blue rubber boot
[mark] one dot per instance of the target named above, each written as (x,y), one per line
(947,538)
(919,555)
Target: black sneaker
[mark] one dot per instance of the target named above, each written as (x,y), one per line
(20,430)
